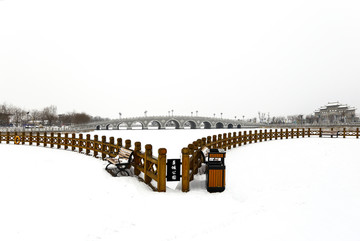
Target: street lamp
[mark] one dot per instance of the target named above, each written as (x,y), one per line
(191,113)
(120,115)
(221,115)
(145,112)
(27,118)
(214,115)
(172,113)
(197,113)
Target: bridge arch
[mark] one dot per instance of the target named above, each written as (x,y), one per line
(219,125)
(154,124)
(122,126)
(238,126)
(230,126)
(190,124)
(136,125)
(109,127)
(172,124)
(205,125)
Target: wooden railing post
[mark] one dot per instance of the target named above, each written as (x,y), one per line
(292,133)
(225,141)
(297,133)
(208,141)
(357,133)
(214,145)
(303,132)
(96,145)
(52,139)
(111,145)
(250,137)
(66,141)
(260,136)
(234,140)
(7,137)
(185,182)
(191,163)
(119,142)
(281,134)
(73,141)
(271,134)
(320,133)
(128,144)
(199,144)
(229,141)
(137,158)
(287,133)
(103,147)
(255,136)
(38,138)
(148,154)
(276,134)
(344,133)
(45,139)
(203,142)
(161,185)
(265,135)
(30,138)
(245,138)
(196,157)
(87,144)
(240,138)
(81,143)
(58,140)
(219,145)
(23,138)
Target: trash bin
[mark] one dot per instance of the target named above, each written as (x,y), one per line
(215,173)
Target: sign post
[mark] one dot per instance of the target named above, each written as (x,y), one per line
(173,170)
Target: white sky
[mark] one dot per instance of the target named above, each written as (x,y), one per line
(235,57)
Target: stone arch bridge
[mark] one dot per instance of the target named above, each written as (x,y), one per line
(171,122)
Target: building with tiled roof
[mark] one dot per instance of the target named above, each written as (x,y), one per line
(335,113)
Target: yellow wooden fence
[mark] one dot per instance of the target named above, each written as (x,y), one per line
(151,167)
(192,159)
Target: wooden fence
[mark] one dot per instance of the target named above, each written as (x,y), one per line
(192,159)
(146,166)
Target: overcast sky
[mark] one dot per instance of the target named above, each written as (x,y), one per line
(235,57)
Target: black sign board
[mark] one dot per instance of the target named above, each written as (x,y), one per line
(173,170)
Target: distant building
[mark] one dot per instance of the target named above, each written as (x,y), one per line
(335,113)
(4,119)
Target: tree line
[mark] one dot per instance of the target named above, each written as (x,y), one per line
(15,116)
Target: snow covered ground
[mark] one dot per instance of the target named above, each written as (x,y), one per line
(301,189)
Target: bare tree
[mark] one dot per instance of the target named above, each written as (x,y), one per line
(34,116)
(18,116)
(49,114)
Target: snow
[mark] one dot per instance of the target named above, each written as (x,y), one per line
(300,189)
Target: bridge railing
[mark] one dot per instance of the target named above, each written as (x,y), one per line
(146,166)
(192,159)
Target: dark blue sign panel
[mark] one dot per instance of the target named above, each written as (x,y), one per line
(173,170)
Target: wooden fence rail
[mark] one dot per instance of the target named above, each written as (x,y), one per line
(153,168)
(192,159)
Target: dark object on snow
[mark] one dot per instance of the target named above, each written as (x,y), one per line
(121,163)
(215,170)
